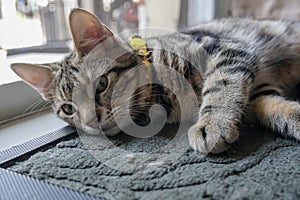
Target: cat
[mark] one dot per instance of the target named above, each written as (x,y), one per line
(237,68)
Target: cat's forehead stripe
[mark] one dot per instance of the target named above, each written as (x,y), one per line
(66,77)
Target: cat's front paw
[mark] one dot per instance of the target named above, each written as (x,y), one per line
(212,136)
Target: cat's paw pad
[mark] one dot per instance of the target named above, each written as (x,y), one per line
(214,137)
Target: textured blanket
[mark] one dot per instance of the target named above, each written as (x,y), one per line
(259,166)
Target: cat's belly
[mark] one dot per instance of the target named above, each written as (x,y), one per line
(284,78)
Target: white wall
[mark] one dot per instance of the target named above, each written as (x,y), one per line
(88,5)
(200,11)
(162,13)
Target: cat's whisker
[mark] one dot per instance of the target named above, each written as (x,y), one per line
(136,94)
(140,92)
(32,106)
(143,106)
(132,118)
(142,98)
(125,112)
(43,108)
(114,109)
(140,116)
(146,97)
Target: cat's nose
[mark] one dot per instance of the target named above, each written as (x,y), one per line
(93,123)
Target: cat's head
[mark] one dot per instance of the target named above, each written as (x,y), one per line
(87,76)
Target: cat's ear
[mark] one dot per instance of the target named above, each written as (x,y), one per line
(38,76)
(87,30)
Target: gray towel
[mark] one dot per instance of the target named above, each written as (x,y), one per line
(258,166)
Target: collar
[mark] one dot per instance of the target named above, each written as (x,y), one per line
(139,45)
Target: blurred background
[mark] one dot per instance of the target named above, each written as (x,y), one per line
(37,30)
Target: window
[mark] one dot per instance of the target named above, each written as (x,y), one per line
(36,31)
(25,36)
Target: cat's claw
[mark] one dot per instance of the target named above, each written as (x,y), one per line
(211,137)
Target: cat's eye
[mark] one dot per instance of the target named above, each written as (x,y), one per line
(68,109)
(102,84)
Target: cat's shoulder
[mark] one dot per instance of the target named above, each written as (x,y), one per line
(237,26)
(235,23)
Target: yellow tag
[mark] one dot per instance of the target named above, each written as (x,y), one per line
(140,46)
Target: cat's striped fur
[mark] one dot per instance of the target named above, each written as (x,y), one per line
(237,67)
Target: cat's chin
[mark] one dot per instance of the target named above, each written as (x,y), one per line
(112,131)
(91,131)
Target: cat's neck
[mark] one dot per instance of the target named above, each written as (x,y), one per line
(176,51)
(175,65)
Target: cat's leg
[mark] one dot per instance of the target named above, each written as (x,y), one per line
(229,75)
(278,114)
(224,97)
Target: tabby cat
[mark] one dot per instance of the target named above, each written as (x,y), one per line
(237,68)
